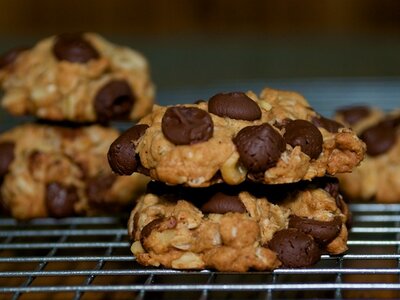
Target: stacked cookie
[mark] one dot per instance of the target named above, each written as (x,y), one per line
(240,182)
(377,177)
(75,84)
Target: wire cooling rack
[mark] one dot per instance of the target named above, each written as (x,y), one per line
(89,258)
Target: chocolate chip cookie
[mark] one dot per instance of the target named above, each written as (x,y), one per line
(76,77)
(377,176)
(61,171)
(237,228)
(272,138)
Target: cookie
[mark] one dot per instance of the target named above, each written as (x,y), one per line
(249,226)
(272,138)
(59,171)
(76,77)
(377,178)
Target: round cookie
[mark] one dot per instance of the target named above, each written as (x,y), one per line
(59,171)
(249,226)
(76,77)
(274,138)
(377,178)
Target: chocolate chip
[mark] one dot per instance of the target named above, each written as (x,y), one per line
(114,101)
(97,187)
(354,114)
(74,48)
(379,138)
(187,125)
(294,248)
(259,147)
(6,157)
(159,224)
(221,203)
(236,105)
(60,200)
(121,155)
(328,124)
(304,134)
(322,232)
(331,185)
(10,56)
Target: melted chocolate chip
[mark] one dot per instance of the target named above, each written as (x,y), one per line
(328,124)
(379,138)
(121,155)
(221,203)
(157,224)
(97,188)
(294,248)
(259,147)
(235,105)
(10,56)
(60,200)
(354,114)
(187,125)
(322,232)
(74,48)
(114,101)
(6,157)
(304,134)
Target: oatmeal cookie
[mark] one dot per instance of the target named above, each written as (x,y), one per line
(59,171)
(76,77)
(272,138)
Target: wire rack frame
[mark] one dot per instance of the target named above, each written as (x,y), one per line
(82,258)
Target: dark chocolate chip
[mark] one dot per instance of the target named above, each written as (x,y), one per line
(6,157)
(187,125)
(259,147)
(74,48)
(97,188)
(304,134)
(294,248)
(328,124)
(157,224)
(379,138)
(114,101)
(10,56)
(236,105)
(331,185)
(354,114)
(322,232)
(221,203)
(60,200)
(121,155)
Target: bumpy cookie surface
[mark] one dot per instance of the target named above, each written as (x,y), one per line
(76,77)
(239,228)
(378,176)
(59,171)
(274,138)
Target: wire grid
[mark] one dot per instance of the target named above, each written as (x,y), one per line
(89,258)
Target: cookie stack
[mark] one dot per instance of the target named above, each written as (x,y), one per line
(377,178)
(240,182)
(74,84)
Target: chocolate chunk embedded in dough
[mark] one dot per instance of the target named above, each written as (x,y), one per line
(259,147)
(187,125)
(354,114)
(10,56)
(328,124)
(294,248)
(114,101)
(97,188)
(60,200)
(379,138)
(121,155)
(221,203)
(236,105)
(322,232)
(6,157)
(304,134)
(74,48)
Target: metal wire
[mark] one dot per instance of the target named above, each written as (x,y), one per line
(96,254)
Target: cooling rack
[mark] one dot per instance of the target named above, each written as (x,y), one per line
(89,258)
